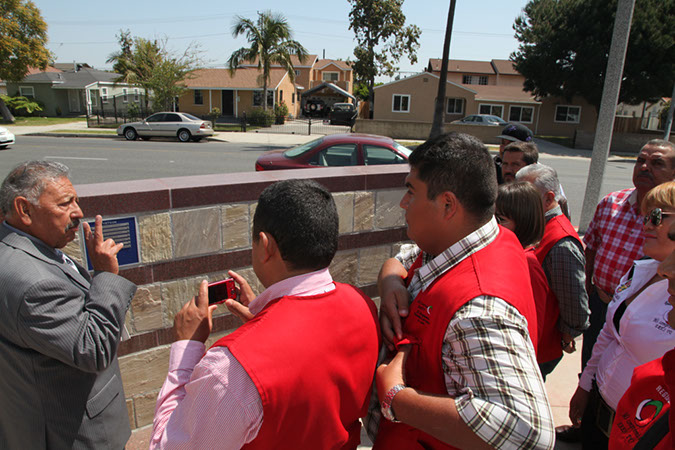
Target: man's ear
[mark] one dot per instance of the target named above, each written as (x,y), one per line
(269,245)
(22,210)
(549,198)
(450,204)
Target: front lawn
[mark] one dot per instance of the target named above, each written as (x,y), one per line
(39,121)
(99,131)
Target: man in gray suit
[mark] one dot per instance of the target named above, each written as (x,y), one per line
(60,384)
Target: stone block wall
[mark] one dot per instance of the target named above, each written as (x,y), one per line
(195,228)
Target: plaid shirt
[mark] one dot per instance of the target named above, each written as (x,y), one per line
(615,233)
(564,267)
(488,359)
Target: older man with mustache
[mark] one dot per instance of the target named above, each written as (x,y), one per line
(60,385)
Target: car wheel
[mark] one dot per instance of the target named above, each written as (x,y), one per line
(130,134)
(312,106)
(2,147)
(184,135)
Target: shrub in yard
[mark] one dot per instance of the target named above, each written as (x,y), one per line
(261,117)
(22,106)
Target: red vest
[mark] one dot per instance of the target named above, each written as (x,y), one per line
(499,270)
(646,400)
(556,229)
(547,321)
(312,360)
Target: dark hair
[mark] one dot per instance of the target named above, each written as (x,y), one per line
(461,164)
(302,217)
(520,201)
(529,149)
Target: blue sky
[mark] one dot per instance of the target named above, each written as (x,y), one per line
(85,30)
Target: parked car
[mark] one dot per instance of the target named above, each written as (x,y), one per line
(6,138)
(481,119)
(342,114)
(337,150)
(315,108)
(184,126)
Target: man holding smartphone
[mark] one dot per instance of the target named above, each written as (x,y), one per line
(298,373)
(60,386)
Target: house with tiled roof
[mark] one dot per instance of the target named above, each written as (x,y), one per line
(81,91)
(241,92)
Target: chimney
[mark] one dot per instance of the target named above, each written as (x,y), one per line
(324,53)
(74,66)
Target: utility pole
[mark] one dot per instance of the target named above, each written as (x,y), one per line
(439,112)
(610,97)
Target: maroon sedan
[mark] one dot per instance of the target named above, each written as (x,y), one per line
(337,150)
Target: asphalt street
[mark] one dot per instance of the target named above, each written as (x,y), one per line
(95,160)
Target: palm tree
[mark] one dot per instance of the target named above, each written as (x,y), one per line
(271,43)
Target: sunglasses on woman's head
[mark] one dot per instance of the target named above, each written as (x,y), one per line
(655,217)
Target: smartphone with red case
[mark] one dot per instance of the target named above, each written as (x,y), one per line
(219,291)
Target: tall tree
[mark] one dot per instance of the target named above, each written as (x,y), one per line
(23,37)
(271,42)
(564,46)
(121,57)
(382,39)
(152,66)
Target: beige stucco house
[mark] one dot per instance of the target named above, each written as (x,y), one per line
(481,87)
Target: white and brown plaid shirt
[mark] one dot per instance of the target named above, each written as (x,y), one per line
(489,362)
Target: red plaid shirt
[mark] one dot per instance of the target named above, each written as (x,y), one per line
(615,233)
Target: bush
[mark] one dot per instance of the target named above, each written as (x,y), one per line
(133,111)
(261,117)
(22,106)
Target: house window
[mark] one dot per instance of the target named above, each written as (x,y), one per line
(293,98)
(400,103)
(257,98)
(136,97)
(466,79)
(104,95)
(455,106)
(522,114)
(281,96)
(567,114)
(297,73)
(483,80)
(125,95)
(27,91)
(331,77)
(199,98)
(495,110)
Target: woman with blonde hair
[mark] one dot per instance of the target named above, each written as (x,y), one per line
(636,330)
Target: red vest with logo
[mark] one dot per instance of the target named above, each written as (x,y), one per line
(556,229)
(644,403)
(312,360)
(498,270)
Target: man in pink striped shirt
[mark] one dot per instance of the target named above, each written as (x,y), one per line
(298,373)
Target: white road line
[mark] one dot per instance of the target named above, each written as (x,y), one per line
(76,157)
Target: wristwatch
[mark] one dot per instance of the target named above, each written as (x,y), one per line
(385,406)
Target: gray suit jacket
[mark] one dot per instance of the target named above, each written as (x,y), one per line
(60,384)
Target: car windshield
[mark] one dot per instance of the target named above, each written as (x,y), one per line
(341,107)
(191,117)
(301,149)
(401,149)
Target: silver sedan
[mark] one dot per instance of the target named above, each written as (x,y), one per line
(184,126)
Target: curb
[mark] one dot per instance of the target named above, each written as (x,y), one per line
(80,135)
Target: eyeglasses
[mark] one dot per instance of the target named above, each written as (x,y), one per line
(655,217)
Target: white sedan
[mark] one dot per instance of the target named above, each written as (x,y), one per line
(6,138)
(184,126)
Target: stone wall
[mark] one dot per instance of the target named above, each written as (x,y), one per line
(192,228)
